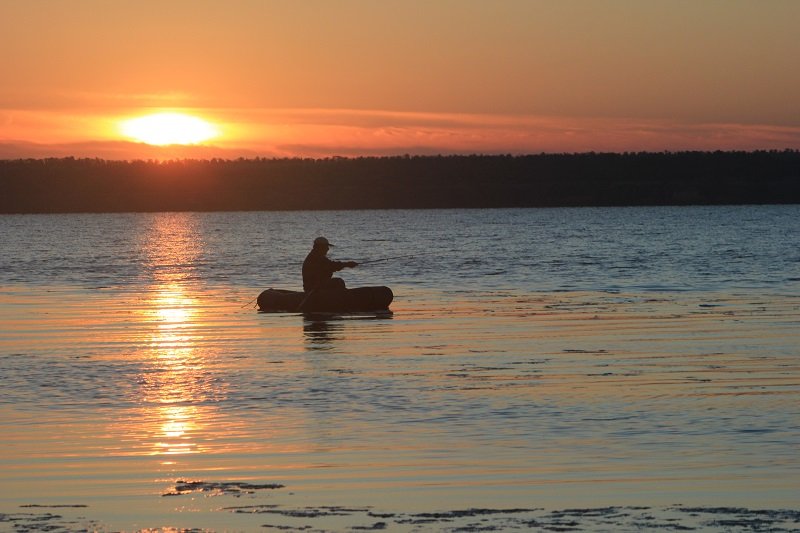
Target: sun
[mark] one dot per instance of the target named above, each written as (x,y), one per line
(168,128)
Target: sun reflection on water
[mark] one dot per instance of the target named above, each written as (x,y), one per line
(176,384)
(178,430)
(172,308)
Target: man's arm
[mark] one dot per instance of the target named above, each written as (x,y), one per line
(339,265)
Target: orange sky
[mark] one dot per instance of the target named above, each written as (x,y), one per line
(336,77)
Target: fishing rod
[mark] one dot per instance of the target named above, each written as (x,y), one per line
(390,258)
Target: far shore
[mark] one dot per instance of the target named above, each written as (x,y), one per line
(70,185)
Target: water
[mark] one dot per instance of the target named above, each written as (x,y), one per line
(676,249)
(625,366)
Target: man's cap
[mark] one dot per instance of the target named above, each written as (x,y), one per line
(321,241)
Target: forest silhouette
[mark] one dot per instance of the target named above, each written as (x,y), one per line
(64,185)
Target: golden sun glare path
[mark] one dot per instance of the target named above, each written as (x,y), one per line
(167,128)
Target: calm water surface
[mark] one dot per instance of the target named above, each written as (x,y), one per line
(628,359)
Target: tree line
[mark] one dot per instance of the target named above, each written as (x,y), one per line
(62,185)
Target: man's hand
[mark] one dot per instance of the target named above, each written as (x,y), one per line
(351,264)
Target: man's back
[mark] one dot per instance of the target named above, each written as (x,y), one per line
(318,270)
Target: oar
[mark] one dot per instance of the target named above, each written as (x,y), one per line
(300,307)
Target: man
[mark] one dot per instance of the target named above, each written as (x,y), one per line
(318,269)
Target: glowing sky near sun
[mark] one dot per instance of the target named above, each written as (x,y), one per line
(347,77)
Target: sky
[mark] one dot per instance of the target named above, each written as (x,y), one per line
(365,77)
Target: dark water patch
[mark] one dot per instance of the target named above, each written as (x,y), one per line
(303,512)
(745,524)
(602,511)
(58,506)
(219,488)
(377,526)
(668,526)
(30,522)
(318,518)
(342,371)
(472,512)
(743,519)
(607,518)
(420,521)
(249,508)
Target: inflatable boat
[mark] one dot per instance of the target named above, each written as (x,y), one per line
(361,299)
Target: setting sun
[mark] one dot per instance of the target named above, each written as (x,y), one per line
(168,128)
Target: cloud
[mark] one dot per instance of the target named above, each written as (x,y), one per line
(342,132)
(332,132)
(117,150)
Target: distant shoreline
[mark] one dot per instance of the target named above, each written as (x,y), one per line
(70,185)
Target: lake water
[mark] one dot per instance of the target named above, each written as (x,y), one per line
(554,369)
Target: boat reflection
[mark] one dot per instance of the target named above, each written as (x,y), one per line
(322,331)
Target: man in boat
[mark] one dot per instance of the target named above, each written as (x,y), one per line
(318,269)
